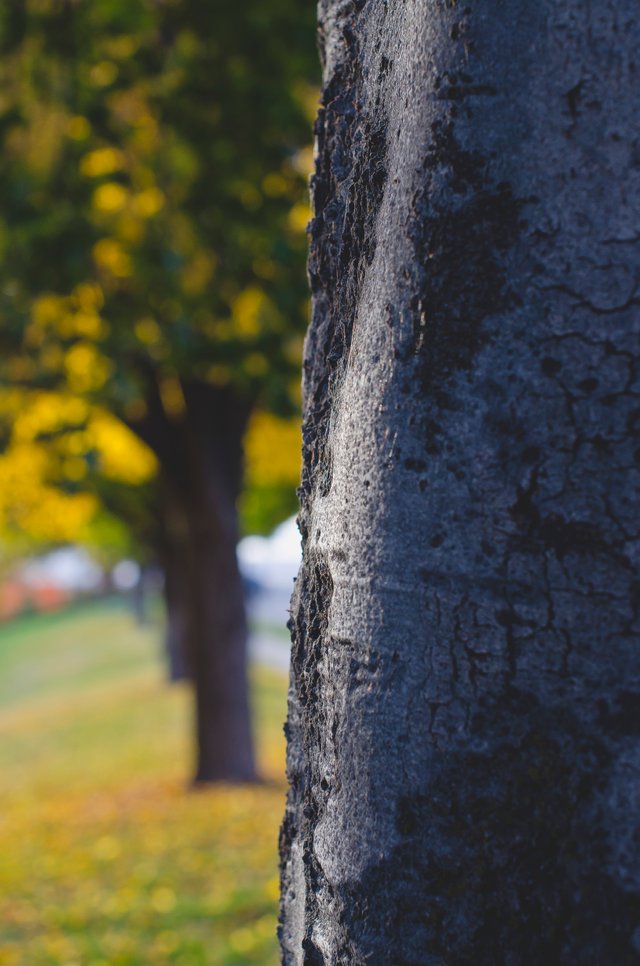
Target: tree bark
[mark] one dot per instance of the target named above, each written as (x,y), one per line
(464,706)
(175,601)
(216,642)
(200,456)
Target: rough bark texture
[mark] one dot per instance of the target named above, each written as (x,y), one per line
(465,694)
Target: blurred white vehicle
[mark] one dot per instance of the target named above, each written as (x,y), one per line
(272,562)
(70,569)
(269,566)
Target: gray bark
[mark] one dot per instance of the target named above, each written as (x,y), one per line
(464,707)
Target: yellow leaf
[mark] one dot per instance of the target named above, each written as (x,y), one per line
(274,185)
(78,128)
(86,369)
(111,256)
(103,73)
(147,331)
(88,296)
(172,396)
(110,197)
(148,202)
(100,162)
(273,448)
(246,311)
(299,216)
(122,456)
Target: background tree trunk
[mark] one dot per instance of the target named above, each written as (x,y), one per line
(175,601)
(216,645)
(200,456)
(465,696)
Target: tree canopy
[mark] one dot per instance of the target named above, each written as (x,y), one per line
(154,165)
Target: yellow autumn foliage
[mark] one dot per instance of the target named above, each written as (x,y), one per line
(103,73)
(56,317)
(110,197)
(272,450)
(147,331)
(88,296)
(34,510)
(86,369)
(247,310)
(148,203)
(299,216)
(52,435)
(41,413)
(78,128)
(171,394)
(122,456)
(110,256)
(101,161)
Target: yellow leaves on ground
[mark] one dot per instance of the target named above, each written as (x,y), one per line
(272,450)
(106,857)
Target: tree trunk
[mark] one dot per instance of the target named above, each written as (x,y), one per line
(200,455)
(175,601)
(139,596)
(217,648)
(465,692)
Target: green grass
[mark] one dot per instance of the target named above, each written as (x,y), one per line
(106,858)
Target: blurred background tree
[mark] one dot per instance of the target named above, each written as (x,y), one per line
(152,291)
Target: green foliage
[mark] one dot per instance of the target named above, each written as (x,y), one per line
(153,173)
(154,158)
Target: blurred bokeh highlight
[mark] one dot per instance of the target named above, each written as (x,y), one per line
(153,302)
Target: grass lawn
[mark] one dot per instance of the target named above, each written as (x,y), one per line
(105,858)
